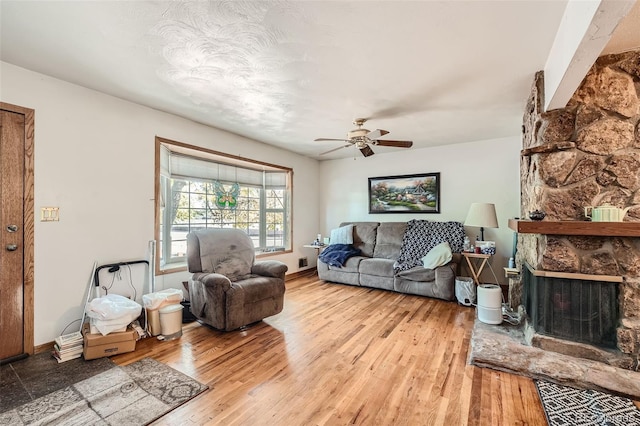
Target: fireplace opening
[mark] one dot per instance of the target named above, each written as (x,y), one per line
(581,310)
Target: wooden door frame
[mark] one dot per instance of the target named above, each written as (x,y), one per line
(28,226)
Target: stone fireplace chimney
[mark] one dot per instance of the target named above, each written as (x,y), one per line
(587,154)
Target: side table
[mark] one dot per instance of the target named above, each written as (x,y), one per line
(476,263)
(318,248)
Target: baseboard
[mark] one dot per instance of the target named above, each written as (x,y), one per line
(45,347)
(298,274)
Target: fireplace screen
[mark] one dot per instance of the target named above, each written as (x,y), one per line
(580,310)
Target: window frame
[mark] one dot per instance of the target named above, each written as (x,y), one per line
(223,158)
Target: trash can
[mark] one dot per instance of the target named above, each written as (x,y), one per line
(465,291)
(171,321)
(152,304)
(153,321)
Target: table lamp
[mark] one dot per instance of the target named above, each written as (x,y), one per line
(482,215)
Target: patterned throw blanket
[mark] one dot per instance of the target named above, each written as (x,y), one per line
(337,254)
(421,236)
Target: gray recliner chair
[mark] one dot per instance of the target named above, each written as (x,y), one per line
(229,288)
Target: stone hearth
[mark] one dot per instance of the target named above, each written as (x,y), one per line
(505,348)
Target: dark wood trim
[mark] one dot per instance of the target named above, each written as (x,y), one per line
(29,218)
(45,347)
(577,227)
(574,275)
(160,139)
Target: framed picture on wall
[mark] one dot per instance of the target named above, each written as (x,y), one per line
(405,194)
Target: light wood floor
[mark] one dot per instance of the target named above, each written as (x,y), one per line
(341,355)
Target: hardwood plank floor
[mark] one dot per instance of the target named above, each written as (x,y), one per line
(341,355)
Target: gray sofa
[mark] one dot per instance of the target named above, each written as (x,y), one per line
(380,245)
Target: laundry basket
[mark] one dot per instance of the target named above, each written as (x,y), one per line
(465,291)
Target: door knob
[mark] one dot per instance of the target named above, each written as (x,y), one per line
(12,247)
(12,228)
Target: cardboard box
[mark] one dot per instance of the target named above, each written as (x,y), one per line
(98,346)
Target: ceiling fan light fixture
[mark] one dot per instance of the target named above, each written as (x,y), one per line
(362,139)
(357,133)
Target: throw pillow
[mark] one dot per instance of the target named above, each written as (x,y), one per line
(342,235)
(438,256)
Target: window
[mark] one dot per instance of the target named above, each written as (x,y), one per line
(200,189)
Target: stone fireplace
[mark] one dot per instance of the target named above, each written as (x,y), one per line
(587,154)
(582,322)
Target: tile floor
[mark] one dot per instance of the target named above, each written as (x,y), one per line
(30,378)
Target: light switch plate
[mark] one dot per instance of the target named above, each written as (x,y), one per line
(50,214)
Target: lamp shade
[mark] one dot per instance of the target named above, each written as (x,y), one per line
(482,215)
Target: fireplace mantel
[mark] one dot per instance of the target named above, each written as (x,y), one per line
(576,227)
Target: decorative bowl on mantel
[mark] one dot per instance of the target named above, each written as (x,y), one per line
(537,215)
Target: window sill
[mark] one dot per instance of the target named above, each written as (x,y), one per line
(272,253)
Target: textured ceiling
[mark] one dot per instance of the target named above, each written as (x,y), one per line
(287,72)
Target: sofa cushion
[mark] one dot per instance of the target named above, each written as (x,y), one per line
(389,240)
(336,275)
(351,265)
(374,281)
(376,266)
(364,236)
(442,286)
(437,256)
(342,235)
(418,273)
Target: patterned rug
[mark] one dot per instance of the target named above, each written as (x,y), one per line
(135,394)
(565,406)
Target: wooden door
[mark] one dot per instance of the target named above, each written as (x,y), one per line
(16,231)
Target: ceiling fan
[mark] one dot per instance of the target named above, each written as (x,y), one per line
(364,138)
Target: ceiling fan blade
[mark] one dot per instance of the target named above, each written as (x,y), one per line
(327,139)
(378,133)
(397,144)
(366,151)
(335,149)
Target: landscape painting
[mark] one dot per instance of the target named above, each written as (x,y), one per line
(405,194)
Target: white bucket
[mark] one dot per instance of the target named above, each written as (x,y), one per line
(171,321)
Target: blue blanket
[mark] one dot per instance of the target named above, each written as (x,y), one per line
(337,254)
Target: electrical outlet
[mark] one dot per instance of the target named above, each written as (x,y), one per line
(302,262)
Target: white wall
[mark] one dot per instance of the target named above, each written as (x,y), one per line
(483,171)
(94,159)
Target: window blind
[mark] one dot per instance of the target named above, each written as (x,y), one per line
(187,167)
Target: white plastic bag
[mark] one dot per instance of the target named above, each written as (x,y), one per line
(110,312)
(169,296)
(105,327)
(465,291)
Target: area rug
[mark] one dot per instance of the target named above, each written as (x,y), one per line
(566,406)
(135,394)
